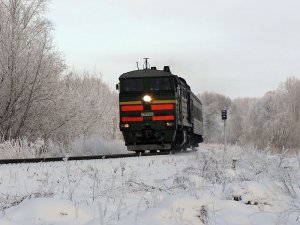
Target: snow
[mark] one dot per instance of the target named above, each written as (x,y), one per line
(43,210)
(183,189)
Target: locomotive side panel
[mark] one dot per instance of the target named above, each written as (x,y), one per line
(183,100)
(197,116)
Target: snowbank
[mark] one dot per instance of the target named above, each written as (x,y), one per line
(189,189)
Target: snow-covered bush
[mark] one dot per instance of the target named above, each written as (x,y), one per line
(21,148)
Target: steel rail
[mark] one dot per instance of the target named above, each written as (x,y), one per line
(74,158)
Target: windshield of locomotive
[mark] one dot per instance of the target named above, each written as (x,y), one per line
(152,84)
(128,85)
(161,84)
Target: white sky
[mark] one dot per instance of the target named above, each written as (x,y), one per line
(237,48)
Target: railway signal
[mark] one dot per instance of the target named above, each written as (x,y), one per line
(224,114)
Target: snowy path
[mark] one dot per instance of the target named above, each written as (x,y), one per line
(188,189)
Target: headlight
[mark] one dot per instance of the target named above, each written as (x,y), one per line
(126,125)
(170,124)
(147,98)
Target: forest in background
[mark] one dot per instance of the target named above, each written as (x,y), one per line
(45,103)
(272,121)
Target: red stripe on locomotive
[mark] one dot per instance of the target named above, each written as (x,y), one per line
(159,118)
(162,107)
(132,118)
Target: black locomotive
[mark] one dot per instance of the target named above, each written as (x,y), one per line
(158,111)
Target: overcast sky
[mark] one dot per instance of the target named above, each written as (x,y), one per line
(238,48)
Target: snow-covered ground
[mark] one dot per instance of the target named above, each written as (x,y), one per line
(183,189)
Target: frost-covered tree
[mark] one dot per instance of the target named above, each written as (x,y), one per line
(86,106)
(273,120)
(236,124)
(292,86)
(29,66)
(38,97)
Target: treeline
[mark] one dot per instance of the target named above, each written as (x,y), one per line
(272,121)
(40,98)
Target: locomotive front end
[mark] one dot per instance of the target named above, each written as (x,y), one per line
(147,104)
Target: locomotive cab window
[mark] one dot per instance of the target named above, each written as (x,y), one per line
(161,84)
(131,85)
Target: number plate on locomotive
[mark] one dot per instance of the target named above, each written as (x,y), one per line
(147,114)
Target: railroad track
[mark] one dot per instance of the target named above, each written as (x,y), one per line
(74,158)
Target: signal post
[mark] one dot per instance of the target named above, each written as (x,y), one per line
(224,118)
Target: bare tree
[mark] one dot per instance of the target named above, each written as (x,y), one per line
(29,65)
(85,107)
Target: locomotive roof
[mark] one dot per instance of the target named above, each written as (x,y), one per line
(151,73)
(146,73)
